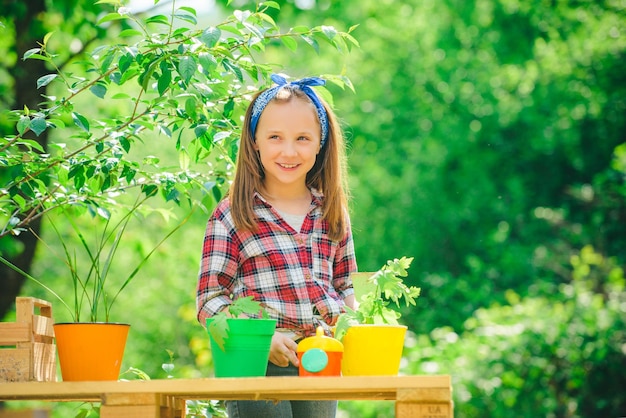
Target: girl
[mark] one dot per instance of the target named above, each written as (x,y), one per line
(282,234)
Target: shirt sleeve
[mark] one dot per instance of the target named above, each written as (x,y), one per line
(344,264)
(218,267)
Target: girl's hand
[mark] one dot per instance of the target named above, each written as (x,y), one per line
(283,350)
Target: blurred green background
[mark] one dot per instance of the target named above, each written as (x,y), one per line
(487,139)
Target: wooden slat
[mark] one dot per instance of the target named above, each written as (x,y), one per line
(353,387)
(44,362)
(423,410)
(433,394)
(119,399)
(25,306)
(43,329)
(12,333)
(15,364)
(130,411)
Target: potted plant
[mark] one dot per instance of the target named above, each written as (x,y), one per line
(91,346)
(240,338)
(373,338)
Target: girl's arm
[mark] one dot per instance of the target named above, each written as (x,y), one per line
(218,267)
(350,302)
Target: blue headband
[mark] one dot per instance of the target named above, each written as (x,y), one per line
(305,85)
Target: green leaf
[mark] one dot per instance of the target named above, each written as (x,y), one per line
(268,4)
(99,90)
(207,61)
(242,15)
(190,10)
(232,29)
(47,37)
(228,65)
(210,36)
(149,189)
(107,60)
(186,17)
(244,306)
(160,19)
(229,107)
(311,41)
(329,31)
(300,30)
(200,130)
(164,80)
(31,52)
(125,62)
(56,123)
(183,160)
(268,19)
(289,42)
(38,125)
(23,124)
(110,17)
(218,329)
(32,144)
(45,80)
(129,33)
(187,68)
(80,121)
(21,202)
(218,137)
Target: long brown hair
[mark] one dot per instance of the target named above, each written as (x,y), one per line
(328,174)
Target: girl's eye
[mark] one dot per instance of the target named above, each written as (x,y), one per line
(303,138)
(274,137)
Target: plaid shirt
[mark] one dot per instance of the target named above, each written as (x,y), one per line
(301,278)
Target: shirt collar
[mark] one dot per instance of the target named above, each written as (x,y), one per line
(317,197)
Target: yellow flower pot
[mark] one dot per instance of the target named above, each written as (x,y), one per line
(373,350)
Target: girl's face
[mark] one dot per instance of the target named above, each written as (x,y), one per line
(288,140)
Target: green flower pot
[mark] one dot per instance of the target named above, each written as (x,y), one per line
(247,348)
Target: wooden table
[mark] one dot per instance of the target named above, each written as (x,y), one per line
(414,396)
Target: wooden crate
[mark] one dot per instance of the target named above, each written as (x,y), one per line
(27,349)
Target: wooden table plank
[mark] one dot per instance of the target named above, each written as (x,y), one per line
(353,387)
(415,396)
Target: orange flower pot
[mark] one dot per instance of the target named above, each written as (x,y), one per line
(90,351)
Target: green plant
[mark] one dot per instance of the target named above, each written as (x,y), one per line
(387,286)
(90,260)
(244,307)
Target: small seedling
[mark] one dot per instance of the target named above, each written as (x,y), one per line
(388,286)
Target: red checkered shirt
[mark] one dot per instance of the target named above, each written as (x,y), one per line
(301,278)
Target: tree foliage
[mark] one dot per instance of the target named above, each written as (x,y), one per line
(171,80)
(487,142)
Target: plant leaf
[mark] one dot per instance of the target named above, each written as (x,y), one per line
(187,67)
(38,125)
(80,121)
(45,80)
(218,329)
